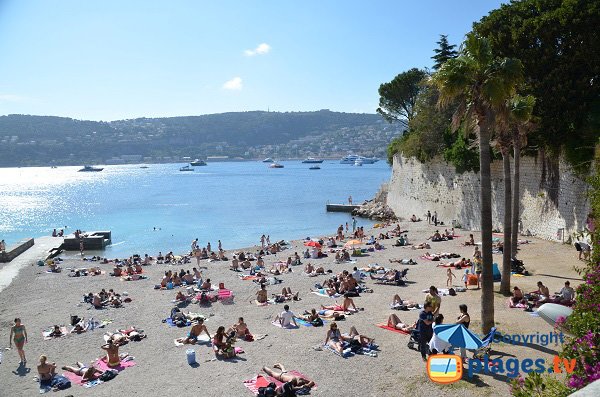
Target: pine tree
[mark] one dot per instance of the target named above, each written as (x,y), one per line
(444,52)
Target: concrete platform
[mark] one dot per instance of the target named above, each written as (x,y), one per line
(340,207)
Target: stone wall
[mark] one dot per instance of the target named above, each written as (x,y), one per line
(550,210)
(16,250)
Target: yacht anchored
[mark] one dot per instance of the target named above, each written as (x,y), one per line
(351,159)
(89,168)
(275,165)
(312,160)
(197,163)
(268,160)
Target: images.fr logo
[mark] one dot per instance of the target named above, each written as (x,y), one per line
(448,368)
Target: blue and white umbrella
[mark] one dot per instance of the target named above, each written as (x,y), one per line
(457,335)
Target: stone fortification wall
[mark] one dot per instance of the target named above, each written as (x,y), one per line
(553,202)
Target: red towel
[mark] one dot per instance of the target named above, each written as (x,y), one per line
(385,326)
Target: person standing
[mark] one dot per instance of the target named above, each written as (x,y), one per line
(81,246)
(220,246)
(465,320)
(435,218)
(268,240)
(428,217)
(2,246)
(262,241)
(425,329)
(18,334)
(208,247)
(350,200)
(353,224)
(194,244)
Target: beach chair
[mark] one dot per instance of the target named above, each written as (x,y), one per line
(486,348)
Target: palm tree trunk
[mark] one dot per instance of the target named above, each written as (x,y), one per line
(487,285)
(516,202)
(507,246)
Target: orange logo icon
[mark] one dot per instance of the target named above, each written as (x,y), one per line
(444,368)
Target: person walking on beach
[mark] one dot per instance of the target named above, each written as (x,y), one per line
(194,244)
(268,240)
(428,217)
(262,241)
(220,246)
(18,334)
(450,275)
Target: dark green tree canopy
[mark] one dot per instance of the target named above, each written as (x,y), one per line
(444,52)
(558,42)
(398,97)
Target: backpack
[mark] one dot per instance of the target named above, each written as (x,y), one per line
(108,375)
(451,292)
(317,322)
(268,391)
(287,390)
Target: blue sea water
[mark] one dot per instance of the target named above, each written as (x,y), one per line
(235,202)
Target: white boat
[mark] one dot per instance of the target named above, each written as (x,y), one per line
(89,168)
(197,163)
(268,160)
(186,168)
(358,163)
(312,160)
(275,165)
(351,159)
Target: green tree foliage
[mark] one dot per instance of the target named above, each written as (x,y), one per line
(559,44)
(480,83)
(460,153)
(398,97)
(444,52)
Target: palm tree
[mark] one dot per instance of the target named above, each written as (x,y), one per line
(481,83)
(521,110)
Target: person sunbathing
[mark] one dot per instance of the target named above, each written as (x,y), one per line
(517,295)
(470,241)
(46,371)
(181,297)
(395,322)
(117,272)
(296,382)
(398,302)
(346,306)
(240,329)
(330,291)
(355,335)
(206,285)
(56,332)
(192,337)
(286,295)
(97,301)
(334,338)
(79,328)
(261,295)
(310,317)
(389,276)
(436,236)
(87,373)
(113,359)
(223,343)
(421,246)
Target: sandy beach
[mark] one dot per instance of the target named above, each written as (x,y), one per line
(42,299)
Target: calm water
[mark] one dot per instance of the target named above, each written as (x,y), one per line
(235,202)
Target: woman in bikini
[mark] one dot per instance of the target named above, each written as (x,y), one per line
(395,322)
(86,373)
(281,374)
(334,338)
(20,338)
(112,354)
(46,371)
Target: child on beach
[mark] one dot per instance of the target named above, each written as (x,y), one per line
(450,275)
(465,278)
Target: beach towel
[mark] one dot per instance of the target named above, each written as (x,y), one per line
(78,380)
(385,326)
(101,364)
(260,381)
(321,292)
(202,339)
(170,322)
(46,334)
(306,323)
(515,306)
(267,303)
(347,352)
(247,277)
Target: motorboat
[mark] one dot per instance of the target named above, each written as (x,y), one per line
(268,160)
(275,165)
(312,160)
(89,168)
(314,167)
(186,168)
(351,159)
(197,163)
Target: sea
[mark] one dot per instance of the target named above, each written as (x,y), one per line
(160,208)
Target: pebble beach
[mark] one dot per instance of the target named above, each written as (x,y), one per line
(43,299)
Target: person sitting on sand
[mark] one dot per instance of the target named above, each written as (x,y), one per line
(117,272)
(206,285)
(46,371)
(566,295)
(261,295)
(517,295)
(346,255)
(112,354)
(286,318)
(437,236)
(87,373)
(414,218)
(334,338)
(286,295)
(470,241)
(291,383)
(97,301)
(437,344)
(56,332)
(240,329)
(197,328)
(346,306)
(543,292)
(223,344)
(395,322)
(355,335)
(80,327)
(235,265)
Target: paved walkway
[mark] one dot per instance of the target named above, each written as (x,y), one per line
(8,271)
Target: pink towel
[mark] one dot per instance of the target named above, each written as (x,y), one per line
(101,364)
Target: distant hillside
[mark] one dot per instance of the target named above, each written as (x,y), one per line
(43,140)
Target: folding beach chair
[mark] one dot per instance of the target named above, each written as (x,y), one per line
(486,348)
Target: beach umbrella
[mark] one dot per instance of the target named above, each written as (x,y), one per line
(313,243)
(551,312)
(352,243)
(457,335)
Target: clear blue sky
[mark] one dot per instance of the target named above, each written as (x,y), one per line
(115,59)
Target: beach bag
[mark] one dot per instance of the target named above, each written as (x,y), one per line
(279,299)
(317,322)
(60,382)
(108,375)
(451,292)
(287,390)
(268,391)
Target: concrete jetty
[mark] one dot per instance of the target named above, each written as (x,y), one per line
(97,240)
(340,207)
(39,250)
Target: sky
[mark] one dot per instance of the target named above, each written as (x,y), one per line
(121,59)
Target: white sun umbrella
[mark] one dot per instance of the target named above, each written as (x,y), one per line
(551,312)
